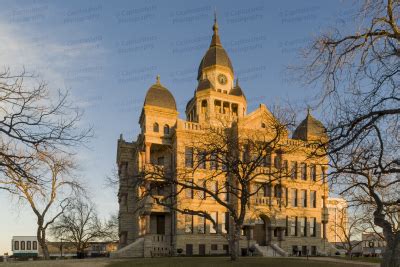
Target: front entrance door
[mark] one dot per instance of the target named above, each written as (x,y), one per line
(260,234)
(161,224)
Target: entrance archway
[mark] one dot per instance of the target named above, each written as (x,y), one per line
(262,230)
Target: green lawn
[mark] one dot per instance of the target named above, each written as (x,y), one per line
(362,259)
(223,261)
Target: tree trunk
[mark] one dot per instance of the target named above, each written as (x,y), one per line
(41,237)
(234,242)
(391,257)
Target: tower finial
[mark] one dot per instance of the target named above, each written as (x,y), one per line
(215,26)
(158,79)
(308,110)
(237,81)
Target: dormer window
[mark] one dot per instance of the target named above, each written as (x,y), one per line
(166,129)
(156,127)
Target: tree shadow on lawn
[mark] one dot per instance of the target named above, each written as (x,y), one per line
(223,261)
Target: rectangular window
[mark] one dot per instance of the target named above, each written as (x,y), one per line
(213,228)
(201,225)
(213,186)
(303,170)
(294,197)
(213,161)
(200,193)
(214,247)
(268,190)
(29,245)
(303,198)
(16,245)
(225,223)
(293,170)
(226,249)
(189,191)
(313,173)
(188,224)
(267,160)
(277,161)
(22,245)
(313,226)
(189,157)
(313,199)
(34,245)
(303,225)
(293,226)
(285,168)
(201,157)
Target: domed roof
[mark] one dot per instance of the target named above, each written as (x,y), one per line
(159,96)
(215,55)
(310,129)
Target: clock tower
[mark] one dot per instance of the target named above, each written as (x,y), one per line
(217,95)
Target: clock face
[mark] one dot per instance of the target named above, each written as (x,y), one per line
(222,79)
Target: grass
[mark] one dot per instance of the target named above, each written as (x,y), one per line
(224,261)
(361,259)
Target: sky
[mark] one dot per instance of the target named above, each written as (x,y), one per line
(108,53)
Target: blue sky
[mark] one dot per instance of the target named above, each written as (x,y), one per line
(108,53)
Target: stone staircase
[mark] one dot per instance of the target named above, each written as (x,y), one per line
(272,250)
(135,250)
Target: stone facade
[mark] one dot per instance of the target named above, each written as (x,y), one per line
(294,222)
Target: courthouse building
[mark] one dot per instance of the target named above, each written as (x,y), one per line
(288,220)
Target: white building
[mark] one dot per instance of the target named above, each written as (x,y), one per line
(25,246)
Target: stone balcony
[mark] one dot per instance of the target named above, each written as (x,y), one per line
(156,172)
(268,201)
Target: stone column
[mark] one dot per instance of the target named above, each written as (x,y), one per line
(148,229)
(148,145)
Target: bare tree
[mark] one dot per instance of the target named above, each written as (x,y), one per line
(49,198)
(33,119)
(236,158)
(39,130)
(348,229)
(359,72)
(80,225)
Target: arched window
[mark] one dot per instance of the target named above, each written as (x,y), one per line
(34,245)
(155,127)
(16,245)
(28,245)
(166,129)
(22,245)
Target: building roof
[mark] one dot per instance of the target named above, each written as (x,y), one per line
(237,90)
(159,96)
(310,129)
(204,84)
(215,55)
